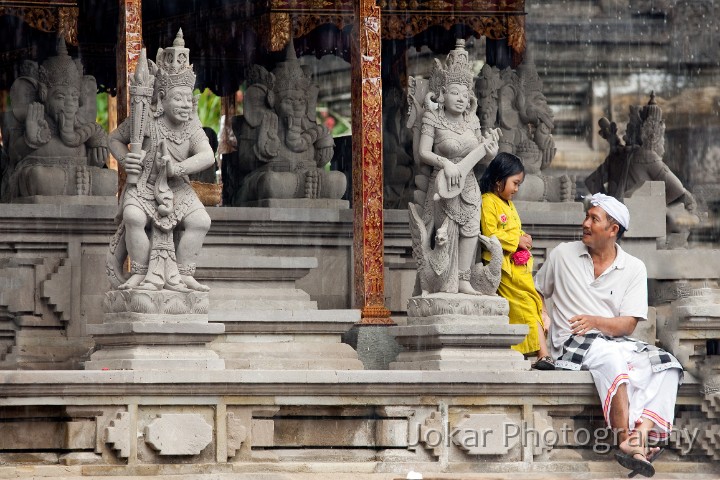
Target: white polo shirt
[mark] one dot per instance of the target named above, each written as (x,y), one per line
(568,279)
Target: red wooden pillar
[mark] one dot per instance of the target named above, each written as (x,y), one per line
(128,51)
(367,169)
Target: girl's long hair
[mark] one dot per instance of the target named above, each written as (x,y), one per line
(504,165)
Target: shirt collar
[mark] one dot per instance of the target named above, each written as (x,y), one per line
(620,257)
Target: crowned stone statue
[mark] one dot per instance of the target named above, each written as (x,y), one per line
(55,146)
(281,147)
(162,221)
(448,144)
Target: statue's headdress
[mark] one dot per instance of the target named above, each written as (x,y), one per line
(457,69)
(289,75)
(60,69)
(174,69)
(652,110)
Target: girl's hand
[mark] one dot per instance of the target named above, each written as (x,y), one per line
(525,242)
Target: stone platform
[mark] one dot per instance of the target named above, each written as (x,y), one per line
(278,424)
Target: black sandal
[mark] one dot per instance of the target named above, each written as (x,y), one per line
(544,363)
(638,466)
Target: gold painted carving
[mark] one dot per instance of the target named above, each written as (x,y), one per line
(279,31)
(40,18)
(369,282)
(68,24)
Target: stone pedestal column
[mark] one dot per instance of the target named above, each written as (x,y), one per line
(145,330)
(452,332)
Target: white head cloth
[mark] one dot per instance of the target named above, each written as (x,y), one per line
(612,207)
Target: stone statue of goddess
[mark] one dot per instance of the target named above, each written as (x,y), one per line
(451,142)
(163,223)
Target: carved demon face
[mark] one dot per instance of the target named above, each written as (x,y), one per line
(178,104)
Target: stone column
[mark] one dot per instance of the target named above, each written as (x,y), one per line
(367,169)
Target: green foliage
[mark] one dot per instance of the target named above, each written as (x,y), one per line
(209,109)
(102,110)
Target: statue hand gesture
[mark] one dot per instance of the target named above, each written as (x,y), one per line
(452,173)
(37,130)
(97,156)
(133,163)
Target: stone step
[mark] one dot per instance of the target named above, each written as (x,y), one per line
(292,315)
(280,364)
(257,293)
(284,350)
(240,304)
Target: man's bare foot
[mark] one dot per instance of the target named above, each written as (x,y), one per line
(465,287)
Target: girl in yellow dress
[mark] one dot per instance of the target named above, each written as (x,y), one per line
(498,185)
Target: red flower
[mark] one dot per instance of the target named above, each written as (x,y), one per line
(521,257)
(503,219)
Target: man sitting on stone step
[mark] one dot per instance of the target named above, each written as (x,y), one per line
(599,293)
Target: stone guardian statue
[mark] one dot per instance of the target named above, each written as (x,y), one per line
(162,221)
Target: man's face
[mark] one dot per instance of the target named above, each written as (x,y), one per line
(63,100)
(598,232)
(177,104)
(293,104)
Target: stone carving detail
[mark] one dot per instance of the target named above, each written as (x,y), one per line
(431,433)
(55,145)
(167,143)
(171,303)
(640,159)
(55,291)
(448,142)
(282,149)
(483,434)
(513,101)
(117,434)
(179,434)
(237,433)
(426,307)
(707,442)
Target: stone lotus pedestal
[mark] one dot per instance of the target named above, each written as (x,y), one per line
(146,330)
(451,332)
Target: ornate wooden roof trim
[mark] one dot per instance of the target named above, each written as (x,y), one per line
(47,16)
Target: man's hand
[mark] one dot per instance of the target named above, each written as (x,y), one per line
(613,326)
(582,324)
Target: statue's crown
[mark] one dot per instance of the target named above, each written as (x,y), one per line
(652,110)
(289,75)
(60,69)
(174,65)
(457,69)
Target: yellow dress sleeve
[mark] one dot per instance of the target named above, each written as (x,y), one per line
(491,225)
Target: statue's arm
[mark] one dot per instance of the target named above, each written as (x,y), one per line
(425,144)
(118,141)
(200,157)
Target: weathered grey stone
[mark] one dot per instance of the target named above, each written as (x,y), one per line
(485,434)
(117,434)
(179,434)
(80,458)
(237,433)
(281,148)
(457,331)
(57,148)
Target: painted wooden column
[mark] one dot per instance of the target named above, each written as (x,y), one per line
(128,51)
(367,169)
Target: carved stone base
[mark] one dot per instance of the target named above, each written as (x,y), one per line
(298,203)
(459,332)
(155,331)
